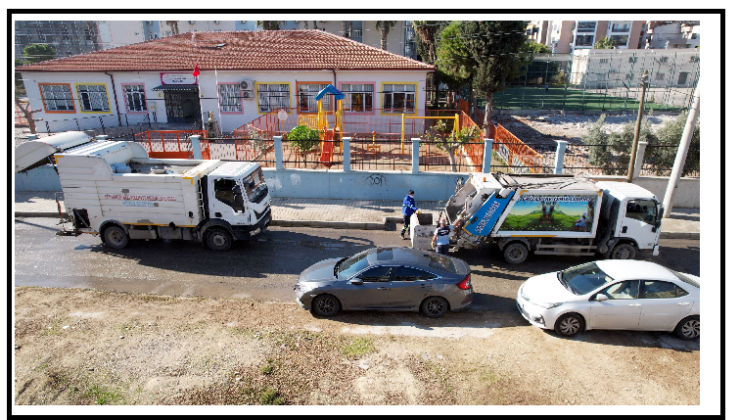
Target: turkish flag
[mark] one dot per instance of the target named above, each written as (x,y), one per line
(196,72)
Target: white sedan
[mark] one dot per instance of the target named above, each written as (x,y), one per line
(613,295)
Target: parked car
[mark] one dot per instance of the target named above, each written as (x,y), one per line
(401,279)
(613,295)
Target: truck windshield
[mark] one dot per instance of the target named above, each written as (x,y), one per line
(585,278)
(349,266)
(255,186)
(642,210)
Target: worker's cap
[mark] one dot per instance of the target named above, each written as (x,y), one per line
(411,192)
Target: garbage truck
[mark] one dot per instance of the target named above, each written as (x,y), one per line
(113,189)
(550,215)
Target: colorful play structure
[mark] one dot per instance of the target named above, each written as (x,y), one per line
(321,122)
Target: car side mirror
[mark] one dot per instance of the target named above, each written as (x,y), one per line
(601,297)
(356,282)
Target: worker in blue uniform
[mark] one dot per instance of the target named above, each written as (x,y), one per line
(409,208)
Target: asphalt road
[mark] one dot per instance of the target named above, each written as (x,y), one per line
(265,269)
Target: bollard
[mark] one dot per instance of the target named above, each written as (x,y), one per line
(560,156)
(195,140)
(415,155)
(487,150)
(347,162)
(278,148)
(639,155)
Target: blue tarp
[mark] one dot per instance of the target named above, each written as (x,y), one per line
(330,90)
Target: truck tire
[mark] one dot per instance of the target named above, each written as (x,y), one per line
(623,251)
(515,253)
(115,237)
(218,239)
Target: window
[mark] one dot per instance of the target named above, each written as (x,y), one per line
(663,59)
(273,96)
(629,76)
(399,98)
(351,265)
(586,26)
(603,60)
(633,59)
(228,192)
(683,77)
(642,210)
(306,94)
(660,76)
(694,59)
(412,274)
(620,26)
(93,98)
(255,185)
(359,97)
(57,97)
(230,97)
(661,290)
(620,40)
(584,40)
(623,290)
(379,273)
(694,36)
(135,98)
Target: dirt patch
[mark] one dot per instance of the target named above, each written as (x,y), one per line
(80,347)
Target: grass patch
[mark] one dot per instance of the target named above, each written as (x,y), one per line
(358,347)
(270,396)
(269,367)
(54,327)
(103,396)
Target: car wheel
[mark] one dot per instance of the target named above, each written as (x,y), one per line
(115,237)
(325,305)
(434,307)
(218,240)
(623,252)
(688,329)
(569,325)
(515,253)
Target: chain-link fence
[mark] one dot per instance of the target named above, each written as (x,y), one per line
(603,80)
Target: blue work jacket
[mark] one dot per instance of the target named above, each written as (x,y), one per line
(409,206)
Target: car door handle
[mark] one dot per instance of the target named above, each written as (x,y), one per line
(383,288)
(634,304)
(683,303)
(423,286)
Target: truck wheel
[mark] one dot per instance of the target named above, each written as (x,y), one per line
(115,237)
(623,252)
(515,253)
(218,239)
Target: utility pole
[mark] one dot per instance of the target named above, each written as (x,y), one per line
(683,150)
(630,170)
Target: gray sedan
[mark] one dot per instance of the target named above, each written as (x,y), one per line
(400,279)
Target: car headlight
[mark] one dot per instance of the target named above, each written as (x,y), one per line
(548,305)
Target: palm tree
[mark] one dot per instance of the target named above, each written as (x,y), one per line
(384,26)
(270,24)
(427,30)
(173,26)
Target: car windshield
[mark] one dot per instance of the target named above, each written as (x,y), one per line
(349,266)
(255,185)
(585,278)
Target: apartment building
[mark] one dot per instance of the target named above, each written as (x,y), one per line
(671,34)
(568,36)
(67,37)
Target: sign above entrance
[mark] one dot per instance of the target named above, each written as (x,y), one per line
(177,79)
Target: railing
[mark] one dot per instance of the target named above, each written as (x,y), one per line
(171,143)
(515,153)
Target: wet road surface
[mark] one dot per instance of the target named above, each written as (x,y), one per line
(265,269)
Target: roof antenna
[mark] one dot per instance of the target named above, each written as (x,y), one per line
(193,38)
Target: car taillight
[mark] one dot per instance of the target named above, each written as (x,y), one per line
(464,284)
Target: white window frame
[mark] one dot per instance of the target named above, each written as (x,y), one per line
(230,98)
(308,91)
(395,92)
(272,96)
(363,90)
(95,96)
(134,94)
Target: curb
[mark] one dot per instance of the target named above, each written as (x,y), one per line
(345,225)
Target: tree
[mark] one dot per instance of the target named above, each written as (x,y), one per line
(304,139)
(384,26)
(495,46)
(173,27)
(536,48)
(38,52)
(455,65)
(442,136)
(270,25)
(427,30)
(605,43)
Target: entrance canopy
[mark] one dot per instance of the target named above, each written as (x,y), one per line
(177,88)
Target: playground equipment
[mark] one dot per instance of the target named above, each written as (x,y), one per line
(373,147)
(327,146)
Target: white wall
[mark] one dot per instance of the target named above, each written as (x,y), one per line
(117,33)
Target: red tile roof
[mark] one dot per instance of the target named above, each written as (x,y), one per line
(244,50)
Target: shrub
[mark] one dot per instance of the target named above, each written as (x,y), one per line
(304,138)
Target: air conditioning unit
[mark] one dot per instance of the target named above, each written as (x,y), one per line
(247,94)
(247,85)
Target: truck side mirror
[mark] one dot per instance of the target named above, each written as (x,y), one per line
(660,217)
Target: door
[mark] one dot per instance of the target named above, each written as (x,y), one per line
(181,107)
(639,222)
(682,76)
(409,287)
(373,293)
(663,305)
(226,201)
(622,309)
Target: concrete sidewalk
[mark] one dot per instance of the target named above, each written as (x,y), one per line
(345,214)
